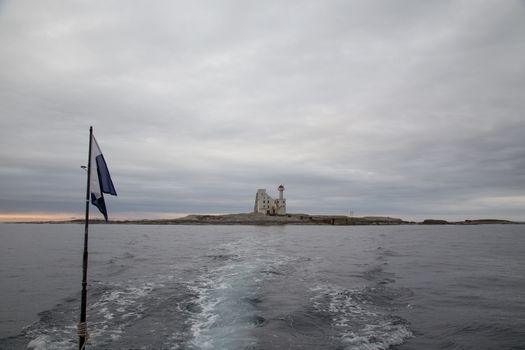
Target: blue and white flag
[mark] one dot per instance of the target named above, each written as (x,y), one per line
(100,180)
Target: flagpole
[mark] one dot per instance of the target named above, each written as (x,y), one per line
(81,327)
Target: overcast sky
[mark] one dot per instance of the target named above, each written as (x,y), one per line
(413,109)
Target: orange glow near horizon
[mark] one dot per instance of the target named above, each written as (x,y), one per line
(9,217)
(42,216)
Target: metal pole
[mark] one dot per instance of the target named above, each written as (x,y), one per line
(82,329)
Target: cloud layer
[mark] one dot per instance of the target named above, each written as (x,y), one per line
(408,108)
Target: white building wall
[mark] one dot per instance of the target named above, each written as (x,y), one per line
(280,206)
(265,204)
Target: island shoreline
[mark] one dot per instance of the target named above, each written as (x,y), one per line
(279,220)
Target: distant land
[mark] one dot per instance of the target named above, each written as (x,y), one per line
(288,219)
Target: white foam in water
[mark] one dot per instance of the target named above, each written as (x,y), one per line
(45,342)
(219,322)
(124,304)
(224,316)
(358,326)
(39,343)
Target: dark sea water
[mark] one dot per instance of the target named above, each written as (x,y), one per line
(256,287)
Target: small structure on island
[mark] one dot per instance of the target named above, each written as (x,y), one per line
(265,204)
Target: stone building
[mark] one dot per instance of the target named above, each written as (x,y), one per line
(265,204)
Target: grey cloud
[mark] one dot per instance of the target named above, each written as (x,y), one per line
(407,108)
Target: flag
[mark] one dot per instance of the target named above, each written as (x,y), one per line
(100,179)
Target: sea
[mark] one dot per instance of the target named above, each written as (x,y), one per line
(401,287)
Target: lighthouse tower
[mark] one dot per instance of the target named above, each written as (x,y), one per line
(280,204)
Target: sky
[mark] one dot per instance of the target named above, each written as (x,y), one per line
(411,109)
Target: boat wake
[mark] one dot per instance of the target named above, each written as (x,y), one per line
(239,295)
(356,320)
(224,310)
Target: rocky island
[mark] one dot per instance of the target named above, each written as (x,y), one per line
(287,219)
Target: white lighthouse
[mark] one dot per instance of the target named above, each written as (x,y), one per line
(280,204)
(265,204)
